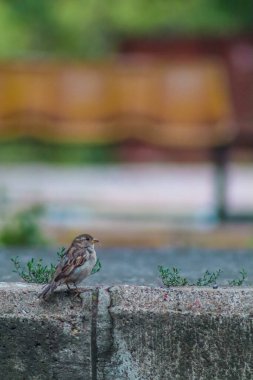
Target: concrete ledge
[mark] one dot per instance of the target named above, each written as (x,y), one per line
(43,340)
(182,333)
(127,332)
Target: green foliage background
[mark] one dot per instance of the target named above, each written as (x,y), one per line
(93,28)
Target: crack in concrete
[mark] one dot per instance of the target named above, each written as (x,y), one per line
(119,353)
(105,338)
(93,341)
(111,317)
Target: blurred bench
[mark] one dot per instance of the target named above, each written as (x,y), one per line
(170,104)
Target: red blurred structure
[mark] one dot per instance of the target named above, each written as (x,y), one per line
(235,52)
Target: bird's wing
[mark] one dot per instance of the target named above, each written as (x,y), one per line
(74,258)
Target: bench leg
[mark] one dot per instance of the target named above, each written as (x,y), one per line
(220,156)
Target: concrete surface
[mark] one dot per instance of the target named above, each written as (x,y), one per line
(44,341)
(139,266)
(127,333)
(181,334)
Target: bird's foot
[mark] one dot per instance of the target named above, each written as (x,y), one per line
(78,293)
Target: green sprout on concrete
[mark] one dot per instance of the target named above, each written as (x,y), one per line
(240,280)
(208,278)
(171,276)
(60,253)
(36,272)
(96,267)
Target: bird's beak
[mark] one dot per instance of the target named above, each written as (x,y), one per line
(95,241)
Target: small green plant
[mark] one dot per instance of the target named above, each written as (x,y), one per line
(208,278)
(23,229)
(96,267)
(60,253)
(36,272)
(171,276)
(239,281)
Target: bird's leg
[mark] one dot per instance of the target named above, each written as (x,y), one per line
(77,292)
(74,290)
(70,290)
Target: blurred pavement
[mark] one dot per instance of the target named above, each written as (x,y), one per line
(123,198)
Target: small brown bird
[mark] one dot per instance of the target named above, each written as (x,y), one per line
(75,266)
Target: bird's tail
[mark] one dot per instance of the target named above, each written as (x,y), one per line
(48,290)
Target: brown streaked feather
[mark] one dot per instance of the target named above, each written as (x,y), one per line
(73,259)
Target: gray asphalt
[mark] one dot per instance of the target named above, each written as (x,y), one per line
(139,266)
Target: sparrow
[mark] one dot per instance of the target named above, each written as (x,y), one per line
(75,266)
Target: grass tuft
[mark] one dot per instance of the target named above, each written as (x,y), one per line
(172,277)
(240,280)
(34,271)
(208,278)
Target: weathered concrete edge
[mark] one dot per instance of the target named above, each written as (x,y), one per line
(131,298)
(195,300)
(180,333)
(104,307)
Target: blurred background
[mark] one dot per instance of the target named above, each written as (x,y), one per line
(131,120)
